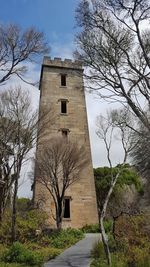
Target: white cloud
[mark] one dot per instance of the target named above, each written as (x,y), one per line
(63,50)
(95,107)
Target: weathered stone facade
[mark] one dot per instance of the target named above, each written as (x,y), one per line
(62,81)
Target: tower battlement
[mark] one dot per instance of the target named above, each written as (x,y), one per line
(66,63)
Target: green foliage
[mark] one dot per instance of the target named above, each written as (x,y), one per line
(5,228)
(91,228)
(133,239)
(131,247)
(100,263)
(108,224)
(48,253)
(32,249)
(98,251)
(19,254)
(23,205)
(3,250)
(3,264)
(65,238)
(128,176)
(27,224)
(100,259)
(112,243)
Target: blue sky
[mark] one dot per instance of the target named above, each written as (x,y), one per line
(56,18)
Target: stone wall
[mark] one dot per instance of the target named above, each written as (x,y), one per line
(82,193)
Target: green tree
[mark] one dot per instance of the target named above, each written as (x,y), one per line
(102,176)
(123,199)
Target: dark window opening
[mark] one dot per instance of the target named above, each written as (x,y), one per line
(63,80)
(64,133)
(67,208)
(63,107)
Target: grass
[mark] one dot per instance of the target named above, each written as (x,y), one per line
(3,264)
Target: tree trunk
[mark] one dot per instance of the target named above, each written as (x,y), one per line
(102,216)
(105,241)
(59,215)
(59,224)
(14,211)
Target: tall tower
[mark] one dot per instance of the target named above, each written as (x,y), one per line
(62,88)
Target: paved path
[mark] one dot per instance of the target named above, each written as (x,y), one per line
(77,255)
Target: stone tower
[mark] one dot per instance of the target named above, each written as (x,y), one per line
(61,86)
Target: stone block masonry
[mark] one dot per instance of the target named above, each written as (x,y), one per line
(62,88)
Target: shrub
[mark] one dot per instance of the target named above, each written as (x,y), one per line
(27,226)
(98,251)
(49,253)
(108,224)
(23,205)
(65,238)
(91,228)
(117,261)
(19,254)
(5,228)
(3,250)
(112,243)
(3,264)
(133,239)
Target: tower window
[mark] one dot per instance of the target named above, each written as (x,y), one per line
(63,106)
(63,79)
(64,133)
(67,208)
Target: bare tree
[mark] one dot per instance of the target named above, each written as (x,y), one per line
(141,154)
(18,134)
(115,46)
(58,166)
(18,47)
(106,131)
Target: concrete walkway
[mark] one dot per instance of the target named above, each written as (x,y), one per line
(76,256)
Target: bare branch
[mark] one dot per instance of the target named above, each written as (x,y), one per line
(58,166)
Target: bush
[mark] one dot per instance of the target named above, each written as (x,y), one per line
(3,264)
(27,224)
(133,239)
(19,254)
(108,224)
(98,251)
(117,261)
(112,243)
(26,227)
(5,228)
(65,238)
(91,228)
(23,205)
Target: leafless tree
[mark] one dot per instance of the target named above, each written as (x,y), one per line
(140,158)
(106,130)
(18,47)
(18,134)
(58,166)
(115,46)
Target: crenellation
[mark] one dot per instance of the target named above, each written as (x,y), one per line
(66,63)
